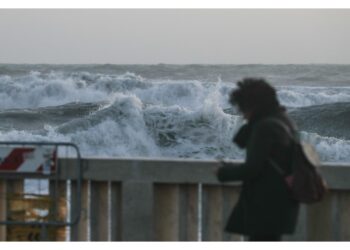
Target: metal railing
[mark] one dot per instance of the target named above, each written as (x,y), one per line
(39,212)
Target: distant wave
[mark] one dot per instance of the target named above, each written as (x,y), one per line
(301,96)
(307,75)
(331,119)
(36,119)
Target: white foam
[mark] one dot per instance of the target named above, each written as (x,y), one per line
(37,90)
(297,96)
(56,88)
(330,149)
(185,115)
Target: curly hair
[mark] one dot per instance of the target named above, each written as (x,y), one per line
(254,94)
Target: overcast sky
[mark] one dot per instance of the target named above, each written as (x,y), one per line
(144,36)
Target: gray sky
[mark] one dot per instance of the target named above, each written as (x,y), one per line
(150,36)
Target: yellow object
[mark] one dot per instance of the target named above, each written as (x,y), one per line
(31,208)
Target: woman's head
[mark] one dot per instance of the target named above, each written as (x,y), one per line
(254,96)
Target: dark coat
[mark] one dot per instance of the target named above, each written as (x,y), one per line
(265,205)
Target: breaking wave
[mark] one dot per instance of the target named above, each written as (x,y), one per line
(127,115)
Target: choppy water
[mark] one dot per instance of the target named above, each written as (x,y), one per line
(166,110)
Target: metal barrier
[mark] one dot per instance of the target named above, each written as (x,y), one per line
(36,215)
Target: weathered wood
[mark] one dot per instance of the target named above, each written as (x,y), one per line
(79,232)
(137,211)
(3,209)
(99,211)
(320,220)
(116,211)
(189,212)
(166,208)
(212,213)
(343,214)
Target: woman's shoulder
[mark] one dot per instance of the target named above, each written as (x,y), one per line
(273,126)
(270,122)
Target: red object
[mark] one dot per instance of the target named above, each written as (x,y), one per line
(15,159)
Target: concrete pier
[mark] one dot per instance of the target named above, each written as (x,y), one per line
(159,199)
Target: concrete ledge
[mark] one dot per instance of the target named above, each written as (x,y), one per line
(174,171)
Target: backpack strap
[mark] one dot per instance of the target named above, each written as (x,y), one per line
(285,127)
(292,136)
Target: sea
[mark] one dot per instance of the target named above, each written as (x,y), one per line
(167,111)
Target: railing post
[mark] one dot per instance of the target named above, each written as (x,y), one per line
(137,211)
(189,212)
(79,231)
(212,213)
(167,211)
(3,209)
(116,211)
(99,211)
(320,220)
(343,211)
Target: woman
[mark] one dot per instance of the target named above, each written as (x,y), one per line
(265,209)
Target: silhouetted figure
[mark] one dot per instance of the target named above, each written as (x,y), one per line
(265,210)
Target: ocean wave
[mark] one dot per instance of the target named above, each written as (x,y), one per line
(330,149)
(126,127)
(110,110)
(38,89)
(297,96)
(36,119)
(331,119)
(56,88)
(124,109)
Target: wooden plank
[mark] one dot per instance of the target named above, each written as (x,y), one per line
(166,209)
(320,220)
(116,211)
(189,212)
(137,211)
(79,232)
(343,212)
(99,211)
(3,209)
(212,213)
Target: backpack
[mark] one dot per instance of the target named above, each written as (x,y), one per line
(305,182)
